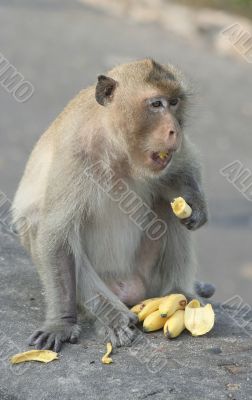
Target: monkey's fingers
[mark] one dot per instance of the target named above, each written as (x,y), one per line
(52,338)
(32,339)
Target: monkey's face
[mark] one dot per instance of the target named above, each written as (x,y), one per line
(145,111)
(157,134)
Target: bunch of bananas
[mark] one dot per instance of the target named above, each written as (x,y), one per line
(173,314)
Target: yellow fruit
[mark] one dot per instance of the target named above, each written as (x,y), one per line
(153,322)
(138,307)
(172,303)
(199,320)
(149,308)
(162,155)
(175,325)
(180,208)
(106,359)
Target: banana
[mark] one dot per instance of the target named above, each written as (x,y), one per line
(175,325)
(162,155)
(199,320)
(138,307)
(149,308)
(180,208)
(153,322)
(172,303)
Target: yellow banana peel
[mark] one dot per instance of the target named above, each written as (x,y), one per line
(44,356)
(106,359)
(199,320)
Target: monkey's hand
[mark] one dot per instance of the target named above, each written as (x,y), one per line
(199,213)
(51,336)
(120,331)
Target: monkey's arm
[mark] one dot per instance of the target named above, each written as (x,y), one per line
(57,271)
(185,180)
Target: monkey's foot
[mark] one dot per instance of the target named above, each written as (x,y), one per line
(52,336)
(204,289)
(120,332)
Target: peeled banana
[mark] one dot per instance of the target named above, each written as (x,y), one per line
(153,322)
(174,315)
(180,208)
(172,303)
(175,325)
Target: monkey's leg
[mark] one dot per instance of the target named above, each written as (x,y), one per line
(114,321)
(178,264)
(57,271)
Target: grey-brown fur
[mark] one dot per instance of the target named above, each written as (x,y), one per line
(75,232)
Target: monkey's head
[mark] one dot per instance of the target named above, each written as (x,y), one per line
(144,106)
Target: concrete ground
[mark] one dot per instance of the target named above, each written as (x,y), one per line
(60,47)
(215,366)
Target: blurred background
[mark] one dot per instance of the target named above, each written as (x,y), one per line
(60,46)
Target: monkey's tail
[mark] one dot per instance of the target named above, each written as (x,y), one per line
(204,289)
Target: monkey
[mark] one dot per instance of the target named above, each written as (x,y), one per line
(107,143)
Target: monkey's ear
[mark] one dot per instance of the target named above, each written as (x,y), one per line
(105,89)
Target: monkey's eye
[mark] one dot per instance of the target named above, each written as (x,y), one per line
(173,102)
(157,104)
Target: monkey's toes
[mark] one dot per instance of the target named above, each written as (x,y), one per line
(121,331)
(133,318)
(121,336)
(52,338)
(205,290)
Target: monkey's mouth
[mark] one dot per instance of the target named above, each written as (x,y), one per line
(161,158)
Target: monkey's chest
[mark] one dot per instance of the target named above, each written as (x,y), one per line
(111,240)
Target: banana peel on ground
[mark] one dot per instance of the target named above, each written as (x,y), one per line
(43,356)
(106,359)
(199,320)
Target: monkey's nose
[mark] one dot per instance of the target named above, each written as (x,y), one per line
(171,137)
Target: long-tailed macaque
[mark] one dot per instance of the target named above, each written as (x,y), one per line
(119,140)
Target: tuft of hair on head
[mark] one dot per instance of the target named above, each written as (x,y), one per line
(163,75)
(159,73)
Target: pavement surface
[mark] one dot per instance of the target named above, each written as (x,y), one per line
(215,366)
(60,47)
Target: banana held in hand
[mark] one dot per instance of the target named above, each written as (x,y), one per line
(138,307)
(199,320)
(175,325)
(172,303)
(150,308)
(180,208)
(153,322)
